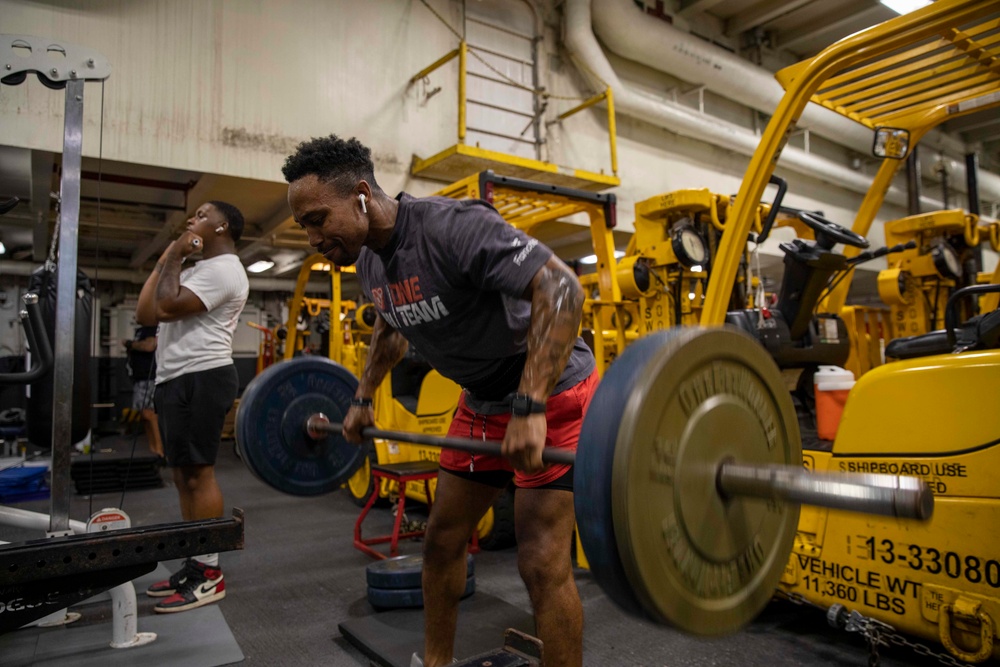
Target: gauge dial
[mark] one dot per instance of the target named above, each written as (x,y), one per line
(946,261)
(689,247)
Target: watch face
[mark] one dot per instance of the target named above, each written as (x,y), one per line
(689,247)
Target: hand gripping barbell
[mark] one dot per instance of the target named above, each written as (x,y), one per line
(687,475)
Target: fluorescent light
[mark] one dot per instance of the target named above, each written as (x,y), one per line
(260,265)
(905,6)
(592,259)
(3,248)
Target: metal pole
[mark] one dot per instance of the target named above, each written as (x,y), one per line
(913,183)
(62,376)
(888,495)
(905,497)
(972,181)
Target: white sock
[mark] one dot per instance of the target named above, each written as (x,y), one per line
(211,560)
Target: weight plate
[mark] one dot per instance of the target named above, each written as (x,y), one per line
(403,571)
(271,433)
(694,559)
(409,598)
(593,469)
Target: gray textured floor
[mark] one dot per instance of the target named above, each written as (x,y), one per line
(299,576)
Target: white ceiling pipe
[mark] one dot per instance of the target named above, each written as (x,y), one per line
(257,283)
(583,46)
(661,46)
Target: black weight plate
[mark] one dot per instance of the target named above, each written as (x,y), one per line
(271,433)
(404,571)
(407,598)
(592,477)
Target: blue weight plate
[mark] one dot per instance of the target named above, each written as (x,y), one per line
(408,598)
(404,571)
(270,426)
(592,477)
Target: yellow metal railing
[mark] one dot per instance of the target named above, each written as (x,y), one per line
(462,53)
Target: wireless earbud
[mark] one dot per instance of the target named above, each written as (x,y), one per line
(218,230)
(364,209)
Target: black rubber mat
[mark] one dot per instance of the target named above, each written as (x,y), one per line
(389,638)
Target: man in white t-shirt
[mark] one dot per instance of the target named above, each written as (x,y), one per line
(197,310)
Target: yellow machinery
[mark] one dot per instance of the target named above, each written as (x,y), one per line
(917,283)
(938,580)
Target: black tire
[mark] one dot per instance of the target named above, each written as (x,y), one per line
(362,499)
(501,535)
(403,572)
(407,598)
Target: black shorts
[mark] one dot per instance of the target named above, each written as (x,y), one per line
(191,410)
(501,478)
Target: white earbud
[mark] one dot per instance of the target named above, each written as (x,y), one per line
(364,209)
(218,230)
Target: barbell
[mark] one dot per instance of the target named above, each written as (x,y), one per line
(687,478)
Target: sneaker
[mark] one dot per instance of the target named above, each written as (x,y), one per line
(203,585)
(168,587)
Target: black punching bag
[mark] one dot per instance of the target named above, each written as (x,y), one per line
(44,283)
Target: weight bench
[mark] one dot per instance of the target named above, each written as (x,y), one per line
(403,472)
(40,576)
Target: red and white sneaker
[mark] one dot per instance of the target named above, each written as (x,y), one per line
(167,587)
(203,585)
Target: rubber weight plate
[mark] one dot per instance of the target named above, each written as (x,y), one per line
(271,433)
(592,471)
(404,571)
(408,598)
(668,413)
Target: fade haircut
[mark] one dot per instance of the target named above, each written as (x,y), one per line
(339,162)
(232,216)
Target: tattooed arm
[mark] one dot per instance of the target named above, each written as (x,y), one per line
(387,348)
(556,309)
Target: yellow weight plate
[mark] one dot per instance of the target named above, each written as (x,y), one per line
(694,559)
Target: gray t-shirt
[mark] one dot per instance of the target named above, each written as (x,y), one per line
(452,279)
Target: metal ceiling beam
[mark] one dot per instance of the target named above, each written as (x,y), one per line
(279,222)
(761,14)
(985,133)
(196,197)
(974,121)
(689,7)
(828,23)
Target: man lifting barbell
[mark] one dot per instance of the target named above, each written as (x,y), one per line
(495,311)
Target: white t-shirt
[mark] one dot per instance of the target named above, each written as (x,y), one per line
(204,341)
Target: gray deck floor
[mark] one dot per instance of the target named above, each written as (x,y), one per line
(299,576)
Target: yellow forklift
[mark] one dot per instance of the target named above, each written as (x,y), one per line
(886,578)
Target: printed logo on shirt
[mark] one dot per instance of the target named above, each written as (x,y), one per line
(523,255)
(409,305)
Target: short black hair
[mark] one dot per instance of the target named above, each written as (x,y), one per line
(232,216)
(340,162)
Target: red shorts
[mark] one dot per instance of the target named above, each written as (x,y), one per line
(563,413)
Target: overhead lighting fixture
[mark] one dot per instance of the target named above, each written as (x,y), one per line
(260,266)
(3,248)
(905,6)
(592,259)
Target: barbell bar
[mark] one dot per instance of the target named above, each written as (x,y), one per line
(887,495)
(687,478)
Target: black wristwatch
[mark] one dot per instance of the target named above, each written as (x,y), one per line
(522,405)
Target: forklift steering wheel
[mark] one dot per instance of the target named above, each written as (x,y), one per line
(828,233)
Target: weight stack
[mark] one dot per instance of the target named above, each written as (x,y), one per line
(109,473)
(394,583)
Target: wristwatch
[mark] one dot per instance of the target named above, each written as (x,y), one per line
(522,405)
